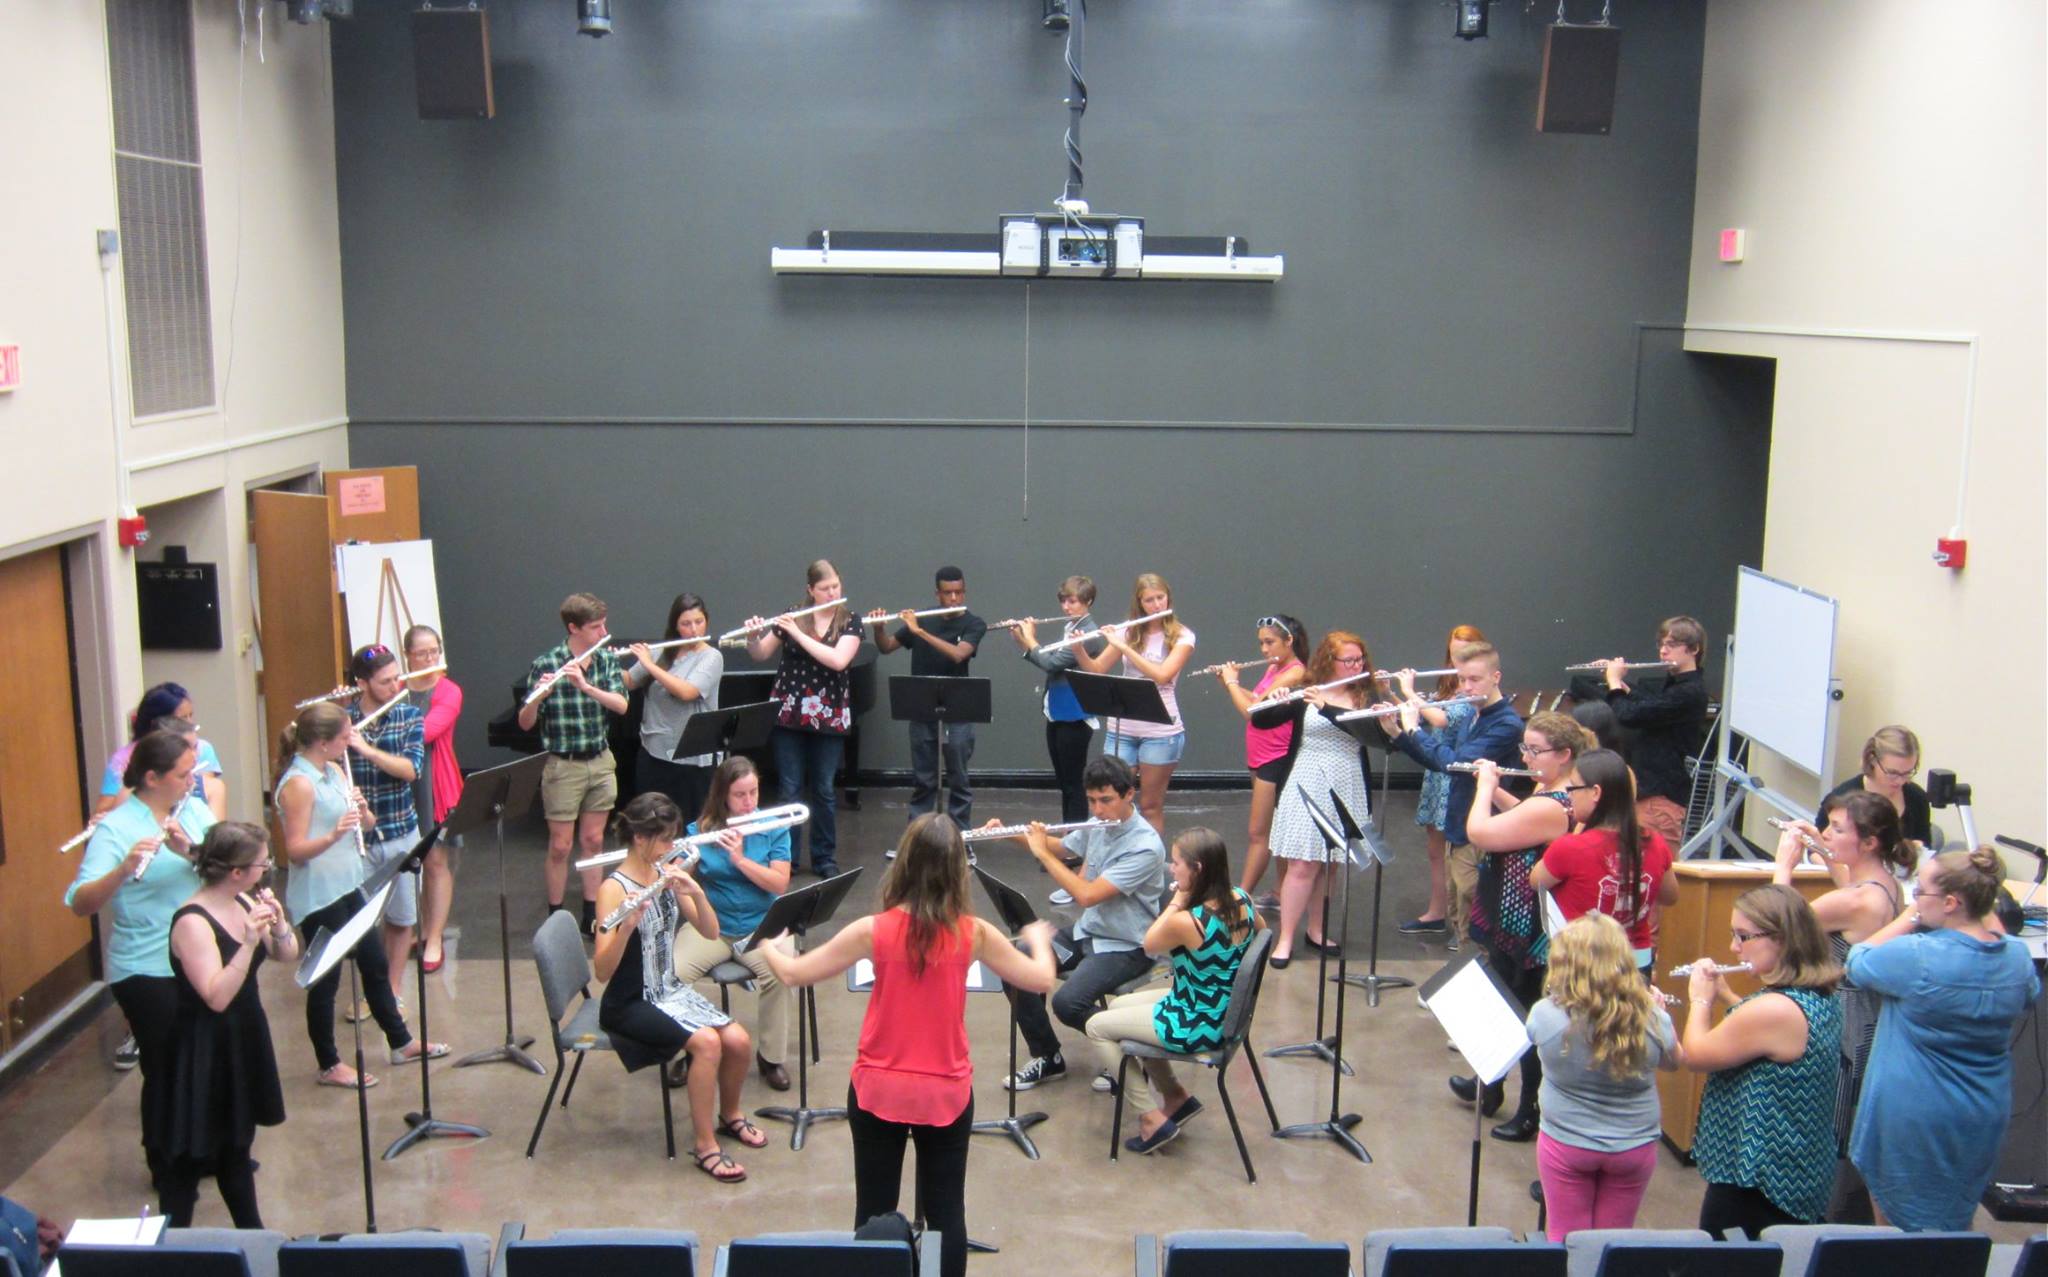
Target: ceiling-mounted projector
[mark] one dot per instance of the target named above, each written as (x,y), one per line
(1076,246)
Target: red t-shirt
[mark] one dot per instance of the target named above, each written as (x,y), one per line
(913,1065)
(1588,869)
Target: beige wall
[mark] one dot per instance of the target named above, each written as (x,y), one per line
(1886,158)
(274,259)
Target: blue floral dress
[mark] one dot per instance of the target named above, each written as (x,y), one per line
(1432,807)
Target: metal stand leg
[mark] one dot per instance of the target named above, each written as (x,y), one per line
(1372,981)
(423,1125)
(514,1049)
(1324,1046)
(1014,1126)
(1337,1126)
(802,1115)
(362,1107)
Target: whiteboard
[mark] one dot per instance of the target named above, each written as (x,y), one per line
(1781,684)
(360,569)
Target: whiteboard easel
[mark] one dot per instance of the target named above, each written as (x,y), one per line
(388,587)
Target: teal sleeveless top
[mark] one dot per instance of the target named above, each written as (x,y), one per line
(1190,1017)
(1770,1126)
(335,872)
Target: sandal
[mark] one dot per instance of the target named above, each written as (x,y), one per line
(744,1131)
(333,1077)
(720,1167)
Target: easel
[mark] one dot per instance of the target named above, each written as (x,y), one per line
(391,592)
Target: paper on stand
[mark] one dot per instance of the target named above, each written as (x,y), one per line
(1485,1027)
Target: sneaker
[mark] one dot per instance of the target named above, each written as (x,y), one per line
(1061,897)
(1040,1068)
(128,1054)
(1268,903)
(1104,1083)
(1453,946)
(889,854)
(1424,927)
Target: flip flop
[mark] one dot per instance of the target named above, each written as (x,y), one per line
(745,1132)
(715,1161)
(328,1078)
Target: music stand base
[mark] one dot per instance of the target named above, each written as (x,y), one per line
(1373,983)
(513,1051)
(1013,1126)
(427,1128)
(1337,1129)
(1324,1049)
(800,1119)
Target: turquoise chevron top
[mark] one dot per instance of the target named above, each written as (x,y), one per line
(1770,1126)
(1190,1017)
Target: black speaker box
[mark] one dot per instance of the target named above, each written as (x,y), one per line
(451,56)
(1580,65)
(179,606)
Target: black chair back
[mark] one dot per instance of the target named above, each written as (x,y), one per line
(345,1259)
(1306,1259)
(153,1261)
(1701,1259)
(613,1259)
(1526,1260)
(1905,1255)
(2033,1259)
(838,1257)
(1244,990)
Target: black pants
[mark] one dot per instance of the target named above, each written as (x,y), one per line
(686,785)
(376,974)
(1729,1206)
(1090,977)
(1526,983)
(941,1175)
(150,1002)
(236,1174)
(1068,745)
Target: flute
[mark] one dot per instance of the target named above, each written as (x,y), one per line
(1019,622)
(1719,968)
(540,689)
(1098,633)
(764,821)
(170,822)
(1589,667)
(1294,694)
(441,668)
(341,693)
(1018,831)
(682,848)
(738,637)
(1813,846)
(887,617)
(1219,667)
(1388,711)
(1502,771)
(80,838)
(679,642)
(355,802)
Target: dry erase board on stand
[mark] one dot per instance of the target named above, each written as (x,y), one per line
(1782,679)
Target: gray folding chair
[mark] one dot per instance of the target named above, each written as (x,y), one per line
(564,979)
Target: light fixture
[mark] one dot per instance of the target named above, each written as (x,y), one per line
(1471,19)
(1056,17)
(594,17)
(302,12)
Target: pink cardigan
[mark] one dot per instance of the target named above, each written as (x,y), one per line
(444,707)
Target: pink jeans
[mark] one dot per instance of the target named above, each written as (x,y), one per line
(1585,1189)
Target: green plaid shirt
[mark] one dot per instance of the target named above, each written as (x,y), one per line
(572,722)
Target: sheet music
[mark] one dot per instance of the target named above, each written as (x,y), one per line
(978,978)
(1486,1028)
(110,1232)
(1553,917)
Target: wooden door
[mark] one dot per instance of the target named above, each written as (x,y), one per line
(45,950)
(298,608)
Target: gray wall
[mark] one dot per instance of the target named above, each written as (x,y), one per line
(1458,406)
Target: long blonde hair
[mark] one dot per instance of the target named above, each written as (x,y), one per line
(1171,626)
(1593,978)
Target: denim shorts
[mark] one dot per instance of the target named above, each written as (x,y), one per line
(402,906)
(1150,751)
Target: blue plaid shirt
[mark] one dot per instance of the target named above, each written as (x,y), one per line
(400,731)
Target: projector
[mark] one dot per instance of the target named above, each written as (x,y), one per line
(1072,245)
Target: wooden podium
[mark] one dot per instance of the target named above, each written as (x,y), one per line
(1696,925)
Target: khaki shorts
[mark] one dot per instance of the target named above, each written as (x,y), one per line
(571,786)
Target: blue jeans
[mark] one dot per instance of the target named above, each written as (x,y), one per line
(1150,751)
(924,761)
(807,763)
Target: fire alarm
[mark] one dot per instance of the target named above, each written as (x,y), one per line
(1950,552)
(133,529)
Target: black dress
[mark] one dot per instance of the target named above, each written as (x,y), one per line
(647,1009)
(223,1073)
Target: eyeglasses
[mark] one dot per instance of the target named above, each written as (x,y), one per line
(1351,660)
(1274,623)
(1530,751)
(1922,892)
(1574,789)
(1744,937)
(1905,775)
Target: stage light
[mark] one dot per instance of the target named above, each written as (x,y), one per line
(1471,19)
(594,17)
(1056,18)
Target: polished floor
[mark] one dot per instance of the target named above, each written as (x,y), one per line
(71,1126)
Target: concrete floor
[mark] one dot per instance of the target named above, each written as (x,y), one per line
(72,1125)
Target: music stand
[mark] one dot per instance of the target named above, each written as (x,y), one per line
(1368,841)
(939,699)
(1338,1125)
(797,912)
(1017,914)
(726,731)
(488,796)
(1328,1047)
(1114,696)
(322,951)
(1486,1026)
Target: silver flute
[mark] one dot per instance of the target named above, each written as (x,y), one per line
(170,823)
(1719,968)
(1018,831)
(738,637)
(1294,694)
(1588,667)
(1504,771)
(764,821)
(682,849)
(340,693)
(1220,666)
(1813,846)
(1098,633)
(547,681)
(887,617)
(1019,622)
(1388,711)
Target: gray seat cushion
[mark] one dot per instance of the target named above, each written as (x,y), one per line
(580,1032)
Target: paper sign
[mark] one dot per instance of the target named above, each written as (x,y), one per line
(363,494)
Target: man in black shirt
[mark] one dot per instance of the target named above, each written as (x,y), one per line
(1668,722)
(940,646)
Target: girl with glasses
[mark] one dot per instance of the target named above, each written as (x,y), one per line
(1891,760)
(1611,864)
(1269,751)
(1068,728)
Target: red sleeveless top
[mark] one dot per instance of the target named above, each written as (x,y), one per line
(913,1065)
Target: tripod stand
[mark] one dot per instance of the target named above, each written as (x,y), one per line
(1369,841)
(1337,1126)
(488,796)
(1017,914)
(423,1125)
(797,912)
(323,950)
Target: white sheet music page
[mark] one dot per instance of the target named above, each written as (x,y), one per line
(1485,1027)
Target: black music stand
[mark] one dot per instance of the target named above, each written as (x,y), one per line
(745,687)
(1338,1125)
(1485,1022)
(489,796)
(1369,842)
(733,730)
(1114,696)
(322,952)
(422,1125)
(939,699)
(1017,914)
(797,912)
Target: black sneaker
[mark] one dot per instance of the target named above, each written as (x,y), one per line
(1423,927)
(128,1054)
(1040,1068)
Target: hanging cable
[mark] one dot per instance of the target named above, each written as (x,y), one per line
(1077,99)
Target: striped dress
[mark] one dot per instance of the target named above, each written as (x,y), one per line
(1770,1126)
(1190,1017)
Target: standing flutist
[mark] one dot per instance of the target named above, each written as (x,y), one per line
(571,688)
(940,647)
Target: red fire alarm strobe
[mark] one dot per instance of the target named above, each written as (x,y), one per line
(1950,552)
(134,530)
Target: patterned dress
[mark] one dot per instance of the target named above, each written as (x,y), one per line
(1860,1009)
(1770,1126)
(1506,915)
(647,1009)
(1434,803)
(1329,759)
(1190,1017)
